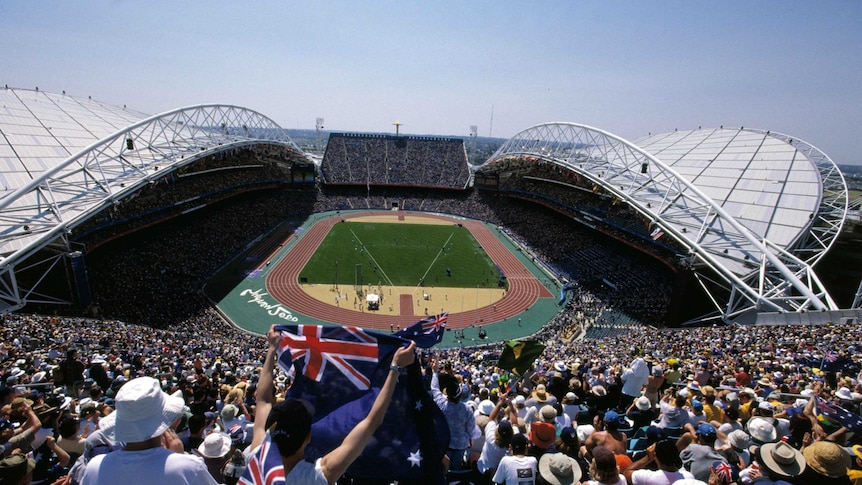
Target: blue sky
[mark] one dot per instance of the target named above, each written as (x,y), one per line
(628,67)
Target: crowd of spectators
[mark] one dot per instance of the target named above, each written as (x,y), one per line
(152,321)
(752,379)
(359,159)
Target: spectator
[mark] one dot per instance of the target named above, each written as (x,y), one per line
(215,450)
(827,464)
(608,434)
(698,457)
(604,469)
(71,373)
(288,424)
(16,470)
(558,469)
(152,451)
(517,468)
(461,421)
(668,464)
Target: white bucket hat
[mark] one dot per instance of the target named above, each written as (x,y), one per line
(215,445)
(762,430)
(144,411)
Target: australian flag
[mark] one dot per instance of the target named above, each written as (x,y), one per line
(264,466)
(340,371)
(833,361)
(427,332)
(839,415)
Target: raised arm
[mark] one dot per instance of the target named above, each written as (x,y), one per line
(335,463)
(265,389)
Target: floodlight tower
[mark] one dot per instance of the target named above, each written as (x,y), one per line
(318,127)
(474,132)
(397,127)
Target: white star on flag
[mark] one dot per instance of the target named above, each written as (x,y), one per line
(418,405)
(415,458)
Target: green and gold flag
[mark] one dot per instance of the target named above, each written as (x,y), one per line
(518,355)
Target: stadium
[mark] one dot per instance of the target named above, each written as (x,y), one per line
(165,245)
(733,219)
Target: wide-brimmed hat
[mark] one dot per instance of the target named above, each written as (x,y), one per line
(739,439)
(229,411)
(762,430)
(144,411)
(486,407)
(599,391)
(543,434)
(15,467)
(559,469)
(782,459)
(548,413)
(844,393)
(540,393)
(827,458)
(643,403)
(215,445)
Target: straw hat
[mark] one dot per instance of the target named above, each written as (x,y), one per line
(827,458)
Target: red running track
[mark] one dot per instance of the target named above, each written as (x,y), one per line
(283,282)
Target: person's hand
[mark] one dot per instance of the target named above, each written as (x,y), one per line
(713,478)
(64,480)
(405,356)
(51,442)
(651,451)
(273,337)
(172,442)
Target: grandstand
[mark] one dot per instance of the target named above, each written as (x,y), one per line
(386,160)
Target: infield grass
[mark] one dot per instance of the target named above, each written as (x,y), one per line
(400,255)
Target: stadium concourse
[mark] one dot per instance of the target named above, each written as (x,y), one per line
(143,306)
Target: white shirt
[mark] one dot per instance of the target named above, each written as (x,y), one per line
(658,477)
(621,480)
(517,470)
(154,466)
(307,474)
(491,453)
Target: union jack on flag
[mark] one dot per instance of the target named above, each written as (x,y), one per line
(434,324)
(321,347)
(830,356)
(426,332)
(724,471)
(339,373)
(264,466)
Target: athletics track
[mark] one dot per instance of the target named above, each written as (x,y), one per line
(282,282)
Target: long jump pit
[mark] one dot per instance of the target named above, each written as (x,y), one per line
(399,306)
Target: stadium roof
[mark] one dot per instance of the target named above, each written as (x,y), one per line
(64,159)
(757,208)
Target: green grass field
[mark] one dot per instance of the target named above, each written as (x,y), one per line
(401,255)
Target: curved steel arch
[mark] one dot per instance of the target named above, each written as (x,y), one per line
(112,168)
(758,274)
